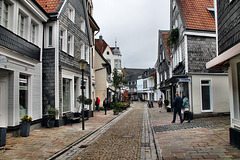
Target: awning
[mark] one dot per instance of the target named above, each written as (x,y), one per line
(221,61)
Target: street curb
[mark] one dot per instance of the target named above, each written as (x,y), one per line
(157,147)
(85,136)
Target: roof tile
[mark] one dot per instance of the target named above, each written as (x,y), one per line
(197,15)
(49,5)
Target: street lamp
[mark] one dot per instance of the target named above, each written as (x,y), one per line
(82,66)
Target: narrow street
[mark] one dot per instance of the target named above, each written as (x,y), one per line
(139,133)
(129,138)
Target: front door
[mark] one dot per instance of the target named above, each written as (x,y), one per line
(3,99)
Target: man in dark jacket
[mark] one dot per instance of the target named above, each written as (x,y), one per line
(105,105)
(177,106)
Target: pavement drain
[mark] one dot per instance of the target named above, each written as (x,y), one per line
(127,136)
(83,146)
(172,127)
(145,145)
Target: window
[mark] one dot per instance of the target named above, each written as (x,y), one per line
(206,95)
(20,24)
(117,63)
(0,11)
(144,83)
(63,44)
(23,95)
(82,24)
(70,45)
(109,61)
(66,95)
(107,52)
(163,55)
(71,13)
(33,32)
(82,51)
(5,9)
(50,35)
(165,75)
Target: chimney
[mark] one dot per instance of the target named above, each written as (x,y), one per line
(101,38)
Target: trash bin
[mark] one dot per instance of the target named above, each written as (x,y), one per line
(3,132)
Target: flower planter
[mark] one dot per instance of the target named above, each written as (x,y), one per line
(25,129)
(3,132)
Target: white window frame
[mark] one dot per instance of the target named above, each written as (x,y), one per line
(87,53)
(211,95)
(22,32)
(34,34)
(3,11)
(163,54)
(70,44)
(63,39)
(82,50)
(82,24)
(48,36)
(71,13)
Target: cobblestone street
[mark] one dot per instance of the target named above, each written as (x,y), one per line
(203,138)
(121,141)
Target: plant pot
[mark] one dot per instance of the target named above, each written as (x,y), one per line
(25,129)
(50,123)
(3,132)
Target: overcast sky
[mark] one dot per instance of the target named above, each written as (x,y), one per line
(135,25)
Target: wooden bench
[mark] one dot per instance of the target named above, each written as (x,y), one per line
(72,117)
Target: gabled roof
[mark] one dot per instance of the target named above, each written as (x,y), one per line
(196,14)
(100,45)
(49,5)
(165,36)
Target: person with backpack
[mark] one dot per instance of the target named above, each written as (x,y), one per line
(186,108)
(105,105)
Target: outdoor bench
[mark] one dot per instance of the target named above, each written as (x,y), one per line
(72,117)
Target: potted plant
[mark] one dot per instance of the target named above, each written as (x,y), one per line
(51,113)
(25,126)
(3,131)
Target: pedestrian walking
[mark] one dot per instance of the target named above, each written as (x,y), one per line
(160,104)
(97,102)
(105,105)
(186,108)
(177,107)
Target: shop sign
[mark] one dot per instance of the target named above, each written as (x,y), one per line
(185,80)
(22,80)
(3,59)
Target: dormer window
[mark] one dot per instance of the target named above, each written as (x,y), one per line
(212,11)
(71,13)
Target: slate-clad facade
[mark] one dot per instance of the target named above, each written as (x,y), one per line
(67,40)
(228,18)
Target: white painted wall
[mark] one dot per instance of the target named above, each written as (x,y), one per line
(219,88)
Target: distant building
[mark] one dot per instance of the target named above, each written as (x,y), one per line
(228,58)
(163,67)
(131,76)
(113,56)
